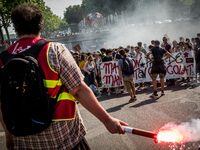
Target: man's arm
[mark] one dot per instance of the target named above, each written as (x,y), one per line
(86,97)
(168,55)
(120,71)
(150,52)
(9,137)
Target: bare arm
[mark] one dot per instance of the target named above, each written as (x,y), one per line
(84,68)
(120,72)
(168,55)
(9,137)
(86,97)
(148,56)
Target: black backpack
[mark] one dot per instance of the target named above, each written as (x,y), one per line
(127,68)
(26,106)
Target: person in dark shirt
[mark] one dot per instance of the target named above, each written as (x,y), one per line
(108,56)
(167,45)
(158,66)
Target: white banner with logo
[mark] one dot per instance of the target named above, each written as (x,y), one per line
(177,66)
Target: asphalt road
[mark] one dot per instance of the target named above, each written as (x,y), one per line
(180,104)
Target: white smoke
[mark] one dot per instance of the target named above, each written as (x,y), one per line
(189,130)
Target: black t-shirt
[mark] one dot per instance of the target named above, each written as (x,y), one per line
(105,59)
(158,53)
(158,63)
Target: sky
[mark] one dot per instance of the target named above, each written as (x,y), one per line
(58,6)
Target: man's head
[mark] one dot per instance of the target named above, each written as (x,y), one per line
(164,40)
(198,35)
(139,44)
(157,43)
(181,39)
(152,42)
(103,50)
(108,52)
(126,50)
(27,19)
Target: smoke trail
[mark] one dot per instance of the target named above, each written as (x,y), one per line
(189,130)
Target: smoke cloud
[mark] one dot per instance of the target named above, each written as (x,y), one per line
(189,130)
(129,28)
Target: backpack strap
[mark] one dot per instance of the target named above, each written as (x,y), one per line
(33,51)
(5,56)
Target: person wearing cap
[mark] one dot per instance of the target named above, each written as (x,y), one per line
(158,67)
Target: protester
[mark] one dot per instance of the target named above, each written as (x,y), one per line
(197,57)
(132,53)
(107,58)
(141,47)
(167,47)
(127,79)
(103,52)
(90,71)
(97,61)
(158,66)
(140,54)
(188,47)
(174,44)
(57,63)
(82,63)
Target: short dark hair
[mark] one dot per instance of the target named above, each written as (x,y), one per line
(157,43)
(126,50)
(27,19)
(139,44)
(152,42)
(108,51)
(123,53)
(103,50)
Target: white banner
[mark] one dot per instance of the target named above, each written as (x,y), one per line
(177,66)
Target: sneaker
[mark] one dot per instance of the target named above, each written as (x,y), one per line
(154,95)
(132,99)
(108,94)
(123,91)
(117,92)
(162,93)
(98,96)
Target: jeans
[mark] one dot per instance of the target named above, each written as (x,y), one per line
(89,79)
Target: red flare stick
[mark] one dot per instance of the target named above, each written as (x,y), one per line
(140,132)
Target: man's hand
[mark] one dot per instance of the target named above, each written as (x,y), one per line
(9,141)
(114,125)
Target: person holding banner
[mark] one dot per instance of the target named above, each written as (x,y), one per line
(127,79)
(158,66)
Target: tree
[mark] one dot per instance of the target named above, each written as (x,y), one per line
(73,14)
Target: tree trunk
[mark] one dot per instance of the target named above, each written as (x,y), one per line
(1,34)
(8,35)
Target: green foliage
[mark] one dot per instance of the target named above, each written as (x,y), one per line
(51,21)
(73,14)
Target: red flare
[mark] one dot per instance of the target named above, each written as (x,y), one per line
(169,136)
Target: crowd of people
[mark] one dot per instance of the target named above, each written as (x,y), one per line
(89,63)
(63,80)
